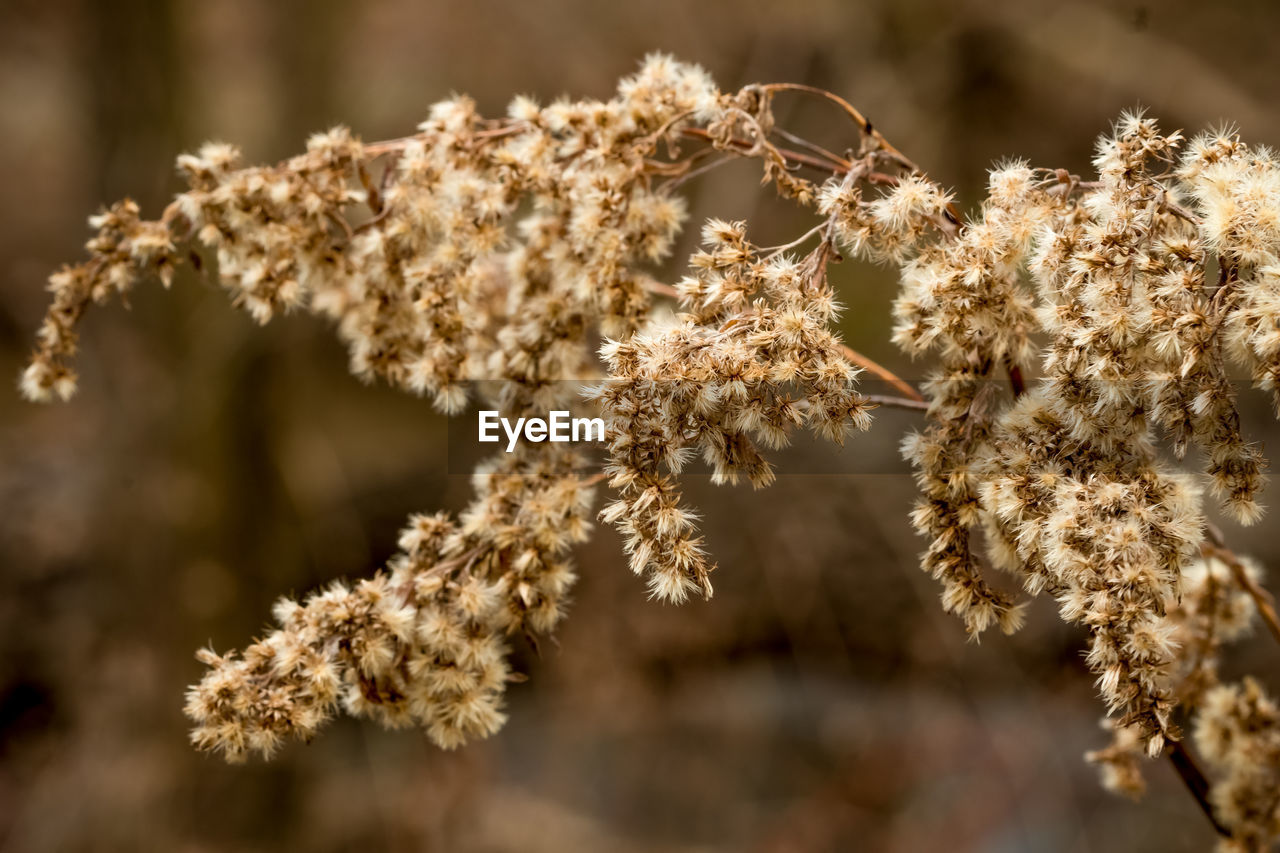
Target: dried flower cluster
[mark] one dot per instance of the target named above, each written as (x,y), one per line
(508,249)
(1067,481)
(1238,732)
(1214,610)
(753,359)
(422,642)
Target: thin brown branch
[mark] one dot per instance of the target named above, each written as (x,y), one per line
(662,168)
(774,251)
(1179,211)
(389,146)
(464,559)
(745,145)
(813,148)
(690,174)
(594,480)
(864,124)
(1263,600)
(661,289)
(652,139)
(1195,782)
(891,402)
(883,146)
(883,372)
(372,193)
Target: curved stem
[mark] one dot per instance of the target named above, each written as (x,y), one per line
(883,372)
(1195,782)
(859,119)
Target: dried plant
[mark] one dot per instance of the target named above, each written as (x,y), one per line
(509,249)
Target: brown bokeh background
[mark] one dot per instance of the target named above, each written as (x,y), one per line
(822,701)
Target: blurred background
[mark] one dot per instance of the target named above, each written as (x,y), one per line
(822,701)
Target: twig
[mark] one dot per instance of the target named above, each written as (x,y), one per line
(1262,599)
(883,372)
(1178,210)
(1191,776)
(774,251)
(389,146)
(371,190)
(652,139)
(661,288)
(898,402)
(746,146)
(701,170)
(859,119)
(594,479)
(464,559)
(813,147)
